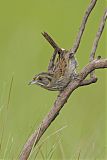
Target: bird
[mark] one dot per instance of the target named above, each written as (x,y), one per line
(61,70)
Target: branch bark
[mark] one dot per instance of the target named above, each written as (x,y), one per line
(88,81)
(82,27)
(76,83)
(97,38)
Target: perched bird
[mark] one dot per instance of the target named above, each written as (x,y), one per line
(60,72)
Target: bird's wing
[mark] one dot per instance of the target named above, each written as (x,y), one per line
(60,67)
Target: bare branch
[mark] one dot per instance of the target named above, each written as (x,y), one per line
(82,27)
(97,38)
(95,64)
(59,103)
(88,82)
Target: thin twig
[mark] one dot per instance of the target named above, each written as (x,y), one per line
(97,38)
(82,27)
(88,82)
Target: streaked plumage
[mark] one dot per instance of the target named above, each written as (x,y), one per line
(63,71)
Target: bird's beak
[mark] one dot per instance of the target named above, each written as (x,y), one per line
(32,82)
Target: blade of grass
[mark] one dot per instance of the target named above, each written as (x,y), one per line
(8,101)
(7,144)
(62,150)
(54,133)
(41,144)
(11,145)
(37,152)
(10,89)
(50,154)
(43,157)
(79,155)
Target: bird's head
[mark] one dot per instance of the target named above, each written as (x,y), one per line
(42,79)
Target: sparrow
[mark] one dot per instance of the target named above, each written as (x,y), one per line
(61,71)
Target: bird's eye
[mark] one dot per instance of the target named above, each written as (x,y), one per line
(39,78)
(34,78)
(49,79)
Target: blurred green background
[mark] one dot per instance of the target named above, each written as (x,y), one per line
(23,53)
